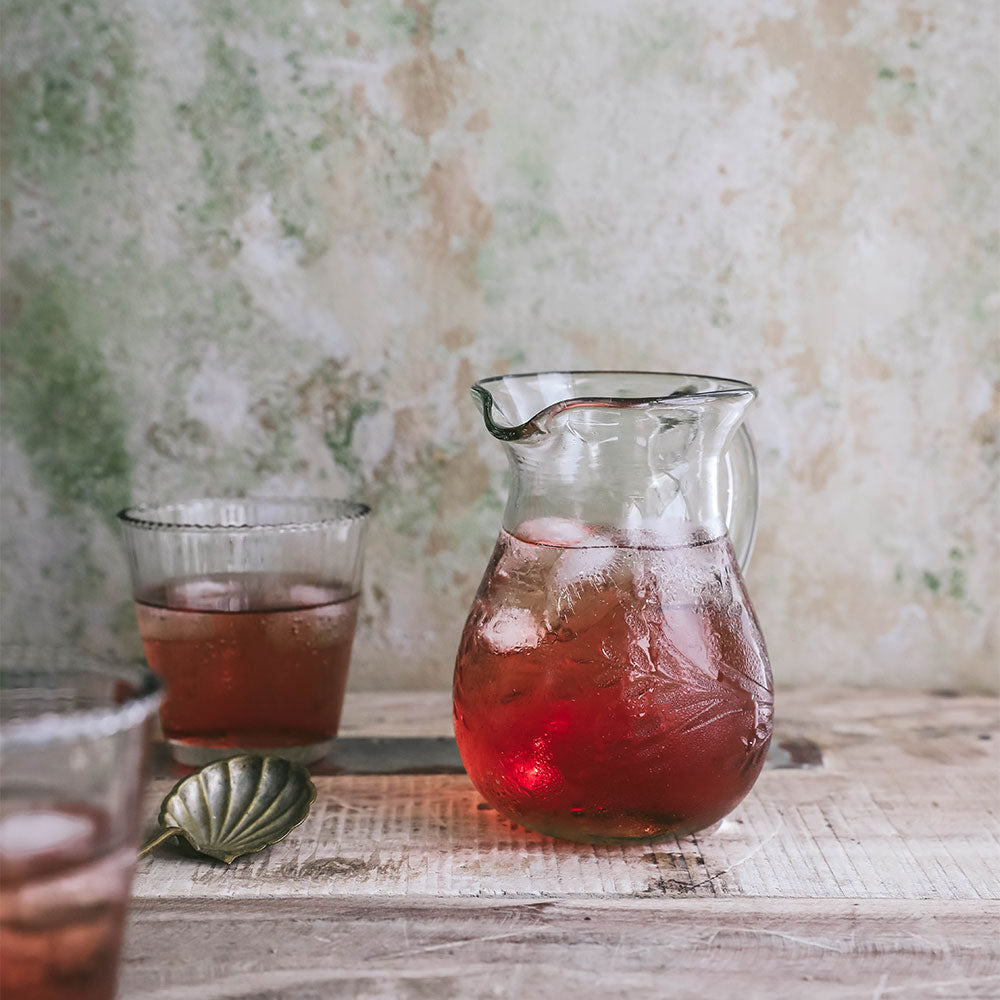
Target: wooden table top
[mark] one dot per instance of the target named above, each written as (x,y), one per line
(865,863)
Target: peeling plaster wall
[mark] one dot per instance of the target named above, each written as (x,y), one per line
(267,247)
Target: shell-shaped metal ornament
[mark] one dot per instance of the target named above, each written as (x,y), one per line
(236,806)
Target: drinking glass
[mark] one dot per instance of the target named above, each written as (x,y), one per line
(74,735)
(247,609)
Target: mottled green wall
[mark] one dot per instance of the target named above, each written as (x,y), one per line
(267,246)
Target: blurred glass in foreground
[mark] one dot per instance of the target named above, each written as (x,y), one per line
(74,738)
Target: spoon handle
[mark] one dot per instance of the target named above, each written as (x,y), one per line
(164,833)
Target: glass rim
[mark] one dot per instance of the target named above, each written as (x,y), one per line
(731,386)
(717,388)
(151,515)
(50,726)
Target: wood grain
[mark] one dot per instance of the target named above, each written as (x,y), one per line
(311,949)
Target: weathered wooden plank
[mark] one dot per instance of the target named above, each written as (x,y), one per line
(469,949)
(801,834)
(905,806)
(397,713)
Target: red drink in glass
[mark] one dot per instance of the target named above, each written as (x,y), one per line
(63,896)
(247,608)
(249,660)
(614,691)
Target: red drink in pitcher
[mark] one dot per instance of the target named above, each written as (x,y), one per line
(612,691)
(249,660)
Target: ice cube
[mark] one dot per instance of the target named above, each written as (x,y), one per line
(687,645)
(583,565)
(334,623)
(555,531)
(522,572)
(40,830)
(312,627)
(306,595)
(35,841)
(512,629)
(205,594)
(68,888)
(164,625)
(582,584)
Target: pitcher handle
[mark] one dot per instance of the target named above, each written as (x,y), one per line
(740,494)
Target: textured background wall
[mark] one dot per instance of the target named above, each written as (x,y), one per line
(267,246)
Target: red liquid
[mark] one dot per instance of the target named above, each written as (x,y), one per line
(62,906)
(250,660)
(612,693)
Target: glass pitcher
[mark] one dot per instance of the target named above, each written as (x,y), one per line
(612,682)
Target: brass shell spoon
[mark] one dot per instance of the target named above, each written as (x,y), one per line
(236,806)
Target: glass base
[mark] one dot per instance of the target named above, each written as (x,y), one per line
(192,755)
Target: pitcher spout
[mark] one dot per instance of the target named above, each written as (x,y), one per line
(520,407)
